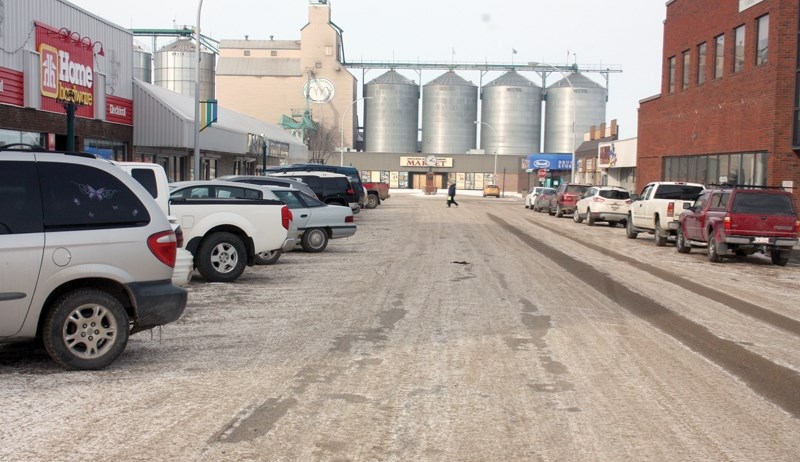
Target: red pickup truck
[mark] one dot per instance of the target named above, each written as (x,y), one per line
(376,192)
(740,221)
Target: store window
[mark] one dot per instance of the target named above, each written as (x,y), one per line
(738,51)
(719,55)
(762,42)
(107,149)
(686,66)
(672,75)
(701,63)
(14,136)
(743,169)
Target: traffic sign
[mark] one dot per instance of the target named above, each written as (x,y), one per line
(542,173)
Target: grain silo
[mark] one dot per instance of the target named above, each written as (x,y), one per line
(142,64)
(391,114)
(449,112)
(175,69)
(577,98)
(511,112)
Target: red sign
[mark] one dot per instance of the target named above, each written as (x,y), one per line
(66,69)
(542,173)
(119,110)
(11,90)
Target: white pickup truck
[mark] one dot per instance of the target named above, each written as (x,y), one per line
(657,209)
(225,225)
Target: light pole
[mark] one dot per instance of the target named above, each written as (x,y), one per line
(341,145)
(197,96)
(574,115)
(494,174)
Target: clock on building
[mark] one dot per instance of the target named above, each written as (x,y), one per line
(430,161)
(319,90)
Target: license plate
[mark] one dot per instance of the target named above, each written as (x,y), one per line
(761,240)
(614,206)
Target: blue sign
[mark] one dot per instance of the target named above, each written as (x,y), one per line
(550,161)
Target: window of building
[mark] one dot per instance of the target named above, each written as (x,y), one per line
(247,52)
(719,55)
(701,63)
(13,136)
(273,53)
(741,168)
(672,75)
(686,62)
(762,42)
(738,50)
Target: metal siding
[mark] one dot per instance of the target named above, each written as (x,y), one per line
(449,112)
(513,108)
(589,99)
(392,115)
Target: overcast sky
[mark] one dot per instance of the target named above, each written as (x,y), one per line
(623,33)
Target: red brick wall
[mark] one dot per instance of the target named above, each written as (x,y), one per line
(750,111)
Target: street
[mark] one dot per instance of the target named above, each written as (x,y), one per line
(483,332)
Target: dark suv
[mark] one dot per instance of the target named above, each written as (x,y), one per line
(330,188)
(269,180)
(92,254)
(565,198)
(352,174)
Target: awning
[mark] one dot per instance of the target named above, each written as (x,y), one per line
(548,161)
(165,119)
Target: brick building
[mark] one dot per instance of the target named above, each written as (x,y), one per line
(728,111)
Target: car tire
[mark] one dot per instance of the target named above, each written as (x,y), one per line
(713,252)
(630,232)
(268,258)
(612,224)
(559,212)
(658,237)
(372,201)
(550,211)
(314,240)
(780,258)
(222,257)
(589,219)
(86,329)
(576,217)
(680,242)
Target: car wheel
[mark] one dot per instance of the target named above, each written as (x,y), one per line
(559,212)
(534,208)
(589,219)
(612,224)
(680,244)
(630,232)
(372,201)
(314,240)
(86,329)
(658,237)
(550,210)
(222,257)
(268,258)
(779,257)
(576,217)
(713,251)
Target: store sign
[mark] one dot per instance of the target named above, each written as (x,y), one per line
(422,161)
(66,69)
(119,110)
(11,89)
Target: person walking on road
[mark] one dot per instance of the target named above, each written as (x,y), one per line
(451,194)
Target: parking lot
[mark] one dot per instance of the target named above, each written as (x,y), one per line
(482,332)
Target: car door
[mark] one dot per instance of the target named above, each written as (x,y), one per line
(300,212)
(21,241)
(638,210)
(691,217)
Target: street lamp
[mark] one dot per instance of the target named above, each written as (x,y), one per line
(197,96)
(494,174)
(341,145)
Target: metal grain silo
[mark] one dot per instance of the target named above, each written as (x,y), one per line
(574,96)
(142,64)
(391,115)
(175,69)
(512,106)
(449,112)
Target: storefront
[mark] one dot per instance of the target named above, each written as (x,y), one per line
(548,169)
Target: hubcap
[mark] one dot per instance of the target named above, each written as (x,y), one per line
(89,331)
(224,258)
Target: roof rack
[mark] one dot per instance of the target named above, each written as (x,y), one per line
(745,186)
(26,147)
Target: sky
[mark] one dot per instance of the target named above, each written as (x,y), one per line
(622,34)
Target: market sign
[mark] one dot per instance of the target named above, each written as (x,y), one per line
(66,69)
(422,161)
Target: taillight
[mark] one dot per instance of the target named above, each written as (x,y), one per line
(797,226)
(670,209)
(628,201)
(727,223)
(286,217)
(598,199)
(164,247)
(349,219)
(350,192)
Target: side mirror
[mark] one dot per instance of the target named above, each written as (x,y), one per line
(634,197)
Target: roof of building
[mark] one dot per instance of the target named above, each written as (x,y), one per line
(275,67)
(260,44)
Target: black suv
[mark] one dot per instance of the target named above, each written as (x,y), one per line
(352,174)
(330,188)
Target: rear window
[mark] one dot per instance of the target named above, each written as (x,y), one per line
(615,194)
(759,203)
(576,189)
(678,192)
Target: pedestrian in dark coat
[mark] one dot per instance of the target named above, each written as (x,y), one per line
(451,195)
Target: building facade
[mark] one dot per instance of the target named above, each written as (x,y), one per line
(728,108)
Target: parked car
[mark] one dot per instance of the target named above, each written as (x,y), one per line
(542,201)
(352,174)
(269,180)
(565,198)
(530,198)
(330,188)
(317,222)
(491,190)
(740,221)
(92,252)
(603,203)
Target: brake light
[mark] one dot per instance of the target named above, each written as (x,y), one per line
(598,199)
(727,223)
(797,226)
(349,219)
(629,201)
(670,209)
(350,192)
(286,217)
(164,246)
